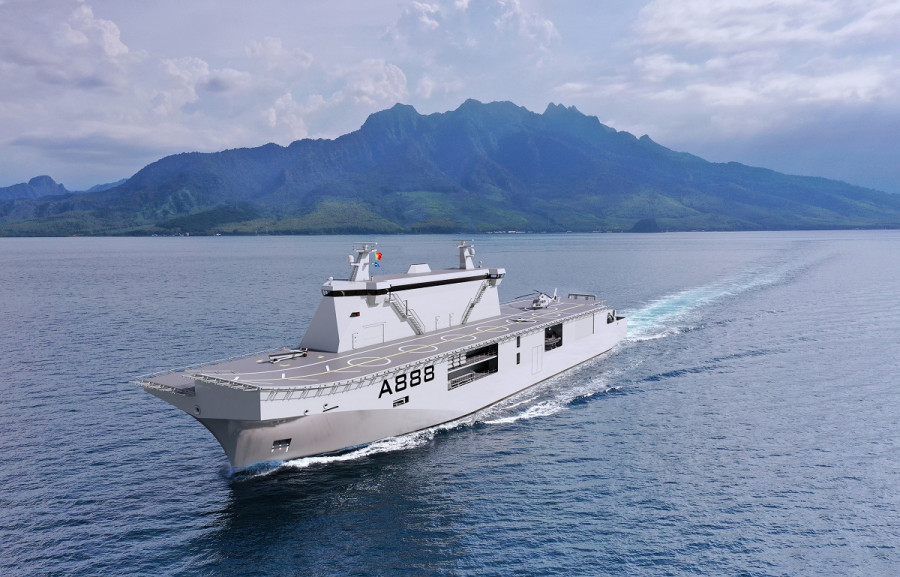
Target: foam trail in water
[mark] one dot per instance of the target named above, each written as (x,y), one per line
(663,317)
(660,318)
(542,409)
(557,394)
(389,445)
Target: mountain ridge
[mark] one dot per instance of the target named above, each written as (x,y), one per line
(481,167)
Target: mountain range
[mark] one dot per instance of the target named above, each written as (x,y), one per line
(479,168)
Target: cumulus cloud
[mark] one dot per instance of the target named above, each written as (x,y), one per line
(188,74)
(184,75)
(375,81)
(286,113)
(82,28)
(63,44)
(530,26)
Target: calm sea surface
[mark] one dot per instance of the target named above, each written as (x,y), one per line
(750,425)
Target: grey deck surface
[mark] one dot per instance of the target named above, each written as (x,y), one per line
(320,368)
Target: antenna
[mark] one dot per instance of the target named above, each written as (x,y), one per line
(466,252)
(359,269)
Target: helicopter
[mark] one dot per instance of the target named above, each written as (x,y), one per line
(542,300)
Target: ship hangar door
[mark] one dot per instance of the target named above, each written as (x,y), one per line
(369,335)
(537,359)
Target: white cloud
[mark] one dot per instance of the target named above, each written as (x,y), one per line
(426,14)
(737,26)
(275,57)
(878,22)
(60,45)
(185,74)
(83,27)
(286,114)
(758,55)
(375,81)
(425,87)
(429,87)
(451,50)
(531,26)
(660,67)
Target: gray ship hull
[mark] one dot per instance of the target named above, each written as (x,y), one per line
(359,416)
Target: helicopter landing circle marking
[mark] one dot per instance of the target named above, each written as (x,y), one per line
(495,329)
(458,338)
(417,349)
(369,361)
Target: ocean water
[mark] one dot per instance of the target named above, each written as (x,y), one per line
(749,425)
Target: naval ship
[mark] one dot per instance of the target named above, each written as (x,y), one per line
(386,355)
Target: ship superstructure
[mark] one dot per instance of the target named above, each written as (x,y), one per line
(387,355)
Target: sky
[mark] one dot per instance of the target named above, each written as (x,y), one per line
(92,91)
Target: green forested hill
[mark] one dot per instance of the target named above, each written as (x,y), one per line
(481,167)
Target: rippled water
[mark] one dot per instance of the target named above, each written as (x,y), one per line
(750,425)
